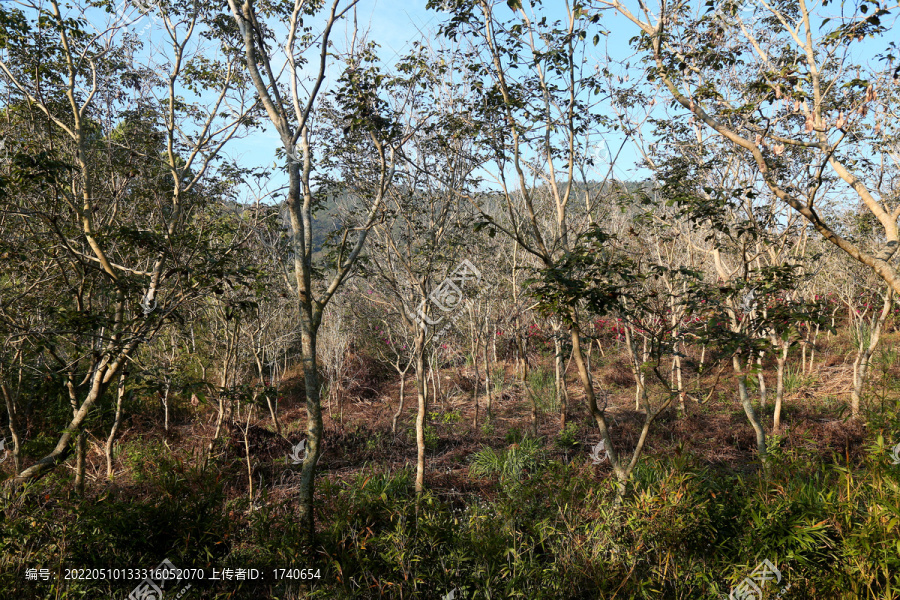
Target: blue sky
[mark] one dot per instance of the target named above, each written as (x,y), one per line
(394,26)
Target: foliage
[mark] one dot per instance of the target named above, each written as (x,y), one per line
(509,464)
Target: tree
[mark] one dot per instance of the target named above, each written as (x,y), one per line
(783,83)
(111,198)
(534,102)
(292,108)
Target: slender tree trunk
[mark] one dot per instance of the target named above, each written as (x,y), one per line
(559,377)
(431,373)
(566,387)
(751,414)
(702,357)
(803,353)
(864,354)
(79,440)
(273,412)
(812,354)
(220,417)
(488,385)
(247,454)
(781,360)
(314,428)
(475,404)
(598,414)
(636,371)
(762,381)
(80,463)
(399,410)
(474,348)
(110,441)
(13,426)
(494,347)
(679,384)
(165,401)
(421,393)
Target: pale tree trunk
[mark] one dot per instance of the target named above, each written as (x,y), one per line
(165,401)
(640,391)
(436,397)
(13,426)
(474,349)
(812,354)
(223,382)
(781,360)
(803,352)
(475,394)
(488,382)
(559,376)
(679,383)
(102,372)
(110,441)
(762,381)
(494,347)
(645,356)
(273,410)
(565,389)
(399,411)
(422,396)
(864,354)
(622,470)
(677,371)
(751,414)
(79,440)
(246,433)
(702,356)
(399,404)
(522,351)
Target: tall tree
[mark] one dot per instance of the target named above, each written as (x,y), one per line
(807,92)
(111,190)
(292,104)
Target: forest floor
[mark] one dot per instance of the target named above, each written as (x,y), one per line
(697,494)
(358,428)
